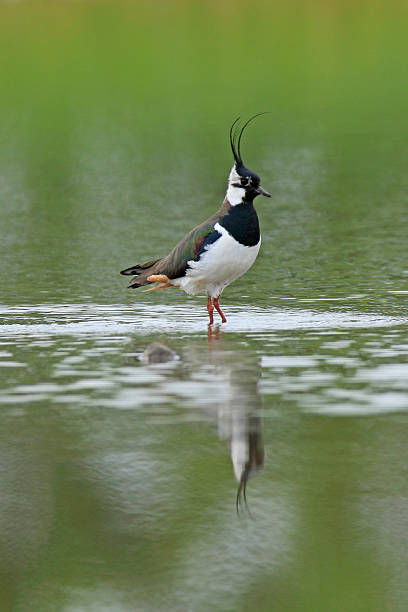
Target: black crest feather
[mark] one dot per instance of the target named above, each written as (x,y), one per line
(232,141)
(235,139)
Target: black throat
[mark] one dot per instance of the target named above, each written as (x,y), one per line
(242,223)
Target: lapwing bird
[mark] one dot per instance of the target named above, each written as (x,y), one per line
(219,250)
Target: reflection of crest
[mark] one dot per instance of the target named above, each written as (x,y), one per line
(254,452)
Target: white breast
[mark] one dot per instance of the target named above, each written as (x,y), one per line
(223,262)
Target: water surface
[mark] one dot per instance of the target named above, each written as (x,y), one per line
(264,466)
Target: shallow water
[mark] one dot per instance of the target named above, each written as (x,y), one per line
(120,477)
(264,465)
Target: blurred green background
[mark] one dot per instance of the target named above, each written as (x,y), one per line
(109,110)
(117,493)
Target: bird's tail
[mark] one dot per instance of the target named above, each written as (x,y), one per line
(140,272)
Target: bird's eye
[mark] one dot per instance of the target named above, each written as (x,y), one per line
(244,182)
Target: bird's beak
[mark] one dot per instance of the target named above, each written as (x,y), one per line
(263,192)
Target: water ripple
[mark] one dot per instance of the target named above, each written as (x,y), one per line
(105,320)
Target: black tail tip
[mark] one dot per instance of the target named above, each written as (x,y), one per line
(134,286)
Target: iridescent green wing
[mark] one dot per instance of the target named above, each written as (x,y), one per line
(190,248)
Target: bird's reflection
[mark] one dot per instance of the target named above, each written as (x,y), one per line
(238,406)
(240,415)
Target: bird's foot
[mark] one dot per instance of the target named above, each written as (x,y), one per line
(218,309)
(158,278)
(162,280)
(158,286)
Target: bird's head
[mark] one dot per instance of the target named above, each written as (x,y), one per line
(243,184)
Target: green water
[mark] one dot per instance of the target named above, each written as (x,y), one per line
(119,478)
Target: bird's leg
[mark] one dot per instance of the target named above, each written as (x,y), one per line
(159,286)
(161,279)
(218,309)
(210,309)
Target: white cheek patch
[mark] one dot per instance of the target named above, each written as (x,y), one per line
(235,195)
